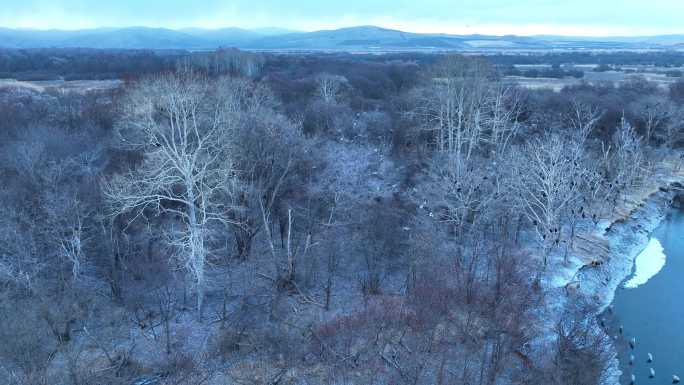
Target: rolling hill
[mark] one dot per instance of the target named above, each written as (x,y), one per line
(363,38)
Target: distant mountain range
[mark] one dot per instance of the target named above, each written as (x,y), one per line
(363,38)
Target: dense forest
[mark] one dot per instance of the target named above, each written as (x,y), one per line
(250,218)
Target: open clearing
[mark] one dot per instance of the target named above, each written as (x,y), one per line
(65,86)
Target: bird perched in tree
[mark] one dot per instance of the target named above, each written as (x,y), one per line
(651,373)
(650,358)
(632,343)
(675,379)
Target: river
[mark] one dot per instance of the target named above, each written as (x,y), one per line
(649,306)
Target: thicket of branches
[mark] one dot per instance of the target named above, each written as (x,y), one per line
(337,222)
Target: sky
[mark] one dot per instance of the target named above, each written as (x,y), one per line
(495,17)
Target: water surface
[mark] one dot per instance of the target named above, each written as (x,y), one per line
(650,307)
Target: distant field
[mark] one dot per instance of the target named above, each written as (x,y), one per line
(653,74)
(77,86)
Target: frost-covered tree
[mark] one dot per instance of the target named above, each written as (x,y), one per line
(548,174)
(181,127)
(450,106)
(329,87)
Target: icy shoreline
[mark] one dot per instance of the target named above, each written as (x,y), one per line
(593,273)
(627,240)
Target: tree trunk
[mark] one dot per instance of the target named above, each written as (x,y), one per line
(197,252)
(243,241)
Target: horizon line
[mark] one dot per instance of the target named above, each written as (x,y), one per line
(290,30)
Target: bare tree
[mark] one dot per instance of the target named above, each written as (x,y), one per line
(547,176)
(501,113)
(671,132)
(467,191)
(582,351)
(652,113)
(27,349)
(20,263)
(45,221)
(452,105)
(328,87)
(180,126)
(66,214)
(266,150)
(582,118)
(72,244)
(628,157)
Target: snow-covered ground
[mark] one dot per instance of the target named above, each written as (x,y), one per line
(615,243)
(628,241)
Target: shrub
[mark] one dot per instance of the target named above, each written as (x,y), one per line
(26,346)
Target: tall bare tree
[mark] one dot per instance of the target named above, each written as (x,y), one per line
(328,87)
(629,161)
(652,113)
(582,118)
(548,173)
(466,191)
(180,125)
(452,104)
(267,149)
(501,113)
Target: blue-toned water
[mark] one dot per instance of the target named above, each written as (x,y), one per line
(650,307)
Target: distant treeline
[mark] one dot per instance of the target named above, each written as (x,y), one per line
(79,64)
(656,58)
(554,71)
(95,64)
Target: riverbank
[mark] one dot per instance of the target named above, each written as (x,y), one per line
(604,258)
(627,240)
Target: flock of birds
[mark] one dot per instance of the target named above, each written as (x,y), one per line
(649,359)
(632,359)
